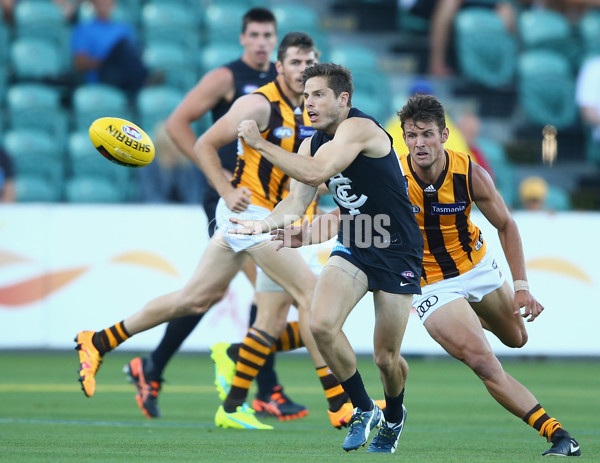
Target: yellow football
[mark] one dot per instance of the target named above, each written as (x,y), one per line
(122,142)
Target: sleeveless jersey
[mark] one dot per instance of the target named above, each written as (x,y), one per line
(287,127)
(373,199)
(453,244)
(246,80)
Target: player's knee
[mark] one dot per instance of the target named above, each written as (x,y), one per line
(517,339)
(196,303)
(484,365)
(321,332)
(386,361)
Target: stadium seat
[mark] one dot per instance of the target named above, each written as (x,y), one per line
(36,106)
(589,31)
(355,57)
(223,23)
(296,17)
(34,59)
(85,161)
(546,29)
(558,199)
(216,54)
(375,107)
(35,188)
(546,88)
(35,153)
(92,190)
(173,62)
(154,104)
(506,184)
(494,152)
(161,22)
(485,50)
(97,100)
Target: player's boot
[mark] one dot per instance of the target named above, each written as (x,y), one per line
(563,445)
(242,418)
(147,391)
(278,405)
(89,361)
(341,417)
(386,438)
(224,368)
(361,425)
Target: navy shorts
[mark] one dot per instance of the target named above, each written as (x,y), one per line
(395,270)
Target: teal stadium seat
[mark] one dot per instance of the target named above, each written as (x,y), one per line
(97,100)
(173,62)
(86,161)
(35,189)
(43,21)
(36,106)
(375,107)
(546,88)
(355,58)
(558,199)
(224,23)
(546,29)
(589,31)
(217,54)
(154,104)
(506,184)
(172,23)
(485,50)
(35,153)
(34,59)
(296,17)
(92,190)
(494,152)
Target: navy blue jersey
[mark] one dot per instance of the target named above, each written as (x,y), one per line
(378,231)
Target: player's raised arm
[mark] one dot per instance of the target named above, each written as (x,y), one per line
(222,132)
(492,206)
(351,138)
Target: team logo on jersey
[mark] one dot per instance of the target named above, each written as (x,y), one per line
(249,88)
(408,274)
(415,208)
(479,242)
(340,189)
(306,131)
(283,132)
(448,209)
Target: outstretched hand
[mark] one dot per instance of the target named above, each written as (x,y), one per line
(292,236)
(532,308)
(248,130)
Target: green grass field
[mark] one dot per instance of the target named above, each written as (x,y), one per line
(44,416)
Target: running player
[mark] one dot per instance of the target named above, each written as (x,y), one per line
(256,188)
(216,92)
(379,248)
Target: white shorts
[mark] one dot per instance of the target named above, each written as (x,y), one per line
(264,284)
(240,242)
(481,280)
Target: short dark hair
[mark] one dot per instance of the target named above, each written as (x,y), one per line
(258,15)
(339,78)
(425,108)
(296,39)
